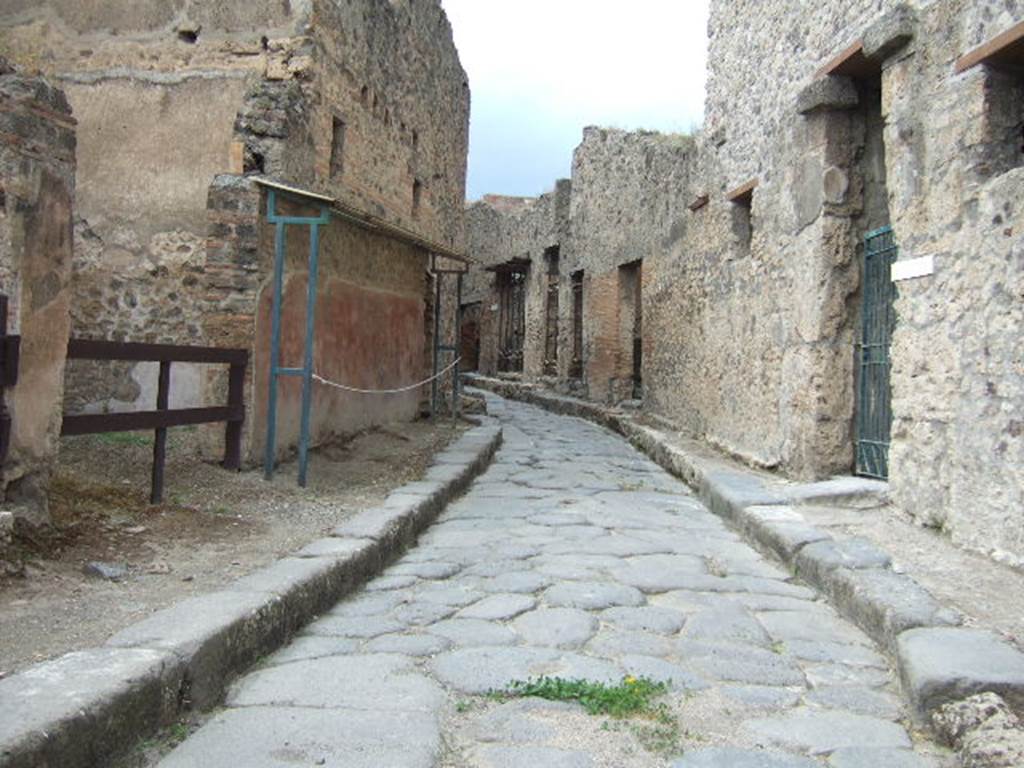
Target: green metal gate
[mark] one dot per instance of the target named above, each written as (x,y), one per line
(874,396)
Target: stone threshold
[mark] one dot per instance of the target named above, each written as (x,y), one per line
(85,707)
(938,659)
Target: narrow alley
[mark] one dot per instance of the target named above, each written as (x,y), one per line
(574,556)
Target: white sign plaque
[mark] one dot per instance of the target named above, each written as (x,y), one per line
(911,268)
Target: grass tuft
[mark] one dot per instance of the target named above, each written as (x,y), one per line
(633,696)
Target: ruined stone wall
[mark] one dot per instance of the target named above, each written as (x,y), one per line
(628,196)
(37,167)
(363,100)
(156,88)
(951,142)
(500,229)
(752,305)
(389,73)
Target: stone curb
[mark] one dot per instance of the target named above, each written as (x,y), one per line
(938,661)
(84,707)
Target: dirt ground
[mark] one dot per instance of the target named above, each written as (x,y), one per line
(214,527)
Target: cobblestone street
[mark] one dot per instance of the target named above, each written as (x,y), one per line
(573,556)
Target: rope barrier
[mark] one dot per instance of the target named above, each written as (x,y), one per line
(327,382)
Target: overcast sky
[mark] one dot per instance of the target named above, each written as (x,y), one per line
(541,70)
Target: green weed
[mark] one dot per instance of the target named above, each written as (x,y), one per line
(633,696)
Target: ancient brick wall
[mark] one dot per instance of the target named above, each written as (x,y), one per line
(37,166)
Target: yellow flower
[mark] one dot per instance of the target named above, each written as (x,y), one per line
(630,680)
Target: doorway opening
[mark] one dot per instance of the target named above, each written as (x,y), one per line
(551,256)
(873,407)
(576,365)
(631,330)
(469,336)
(511,284)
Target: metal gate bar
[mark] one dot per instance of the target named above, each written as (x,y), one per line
(276,369)
(453,348)
(874,397)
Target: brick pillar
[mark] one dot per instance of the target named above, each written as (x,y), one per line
(37,177)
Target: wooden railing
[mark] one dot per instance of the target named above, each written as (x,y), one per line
(161,419)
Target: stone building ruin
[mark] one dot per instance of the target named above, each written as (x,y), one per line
(722,276)
(179,107)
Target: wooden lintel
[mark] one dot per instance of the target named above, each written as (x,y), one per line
(742,194)
(1005,51)
(699,202)
(850,62)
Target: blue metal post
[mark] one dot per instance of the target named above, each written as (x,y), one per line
(275,337)
(307,366)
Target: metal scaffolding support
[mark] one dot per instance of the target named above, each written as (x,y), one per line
(330,207)
(276,369)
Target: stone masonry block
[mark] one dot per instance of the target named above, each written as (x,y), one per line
(80,709)
(942,665)
(308,586)
(885,604)
(815,561)
(216,635)
(780,529)
(390,526)
(889,33)
(827,93)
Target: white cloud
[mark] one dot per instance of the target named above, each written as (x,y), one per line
(541,70)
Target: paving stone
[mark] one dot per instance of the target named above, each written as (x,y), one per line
(796,625)
(471,632)
(763,603)
(728,662)
(729,757)
(647,619)
(354,626)
(274,737)
(819,732)
(728,624)
(408,645)
(769,696)
(480,670)
(942,665)
(852,698)
(446,593)
(827,675)
(660,573)
(511,723)
(615,545)
(368,681)
(424,570)
(420,614)
(556,627)
(521,582)
(311,647)
(368,604)
(592,595)
(873,757)
(835,653)
(612,643)
(385,583)
(533,757)
(493,567)
(498,607)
